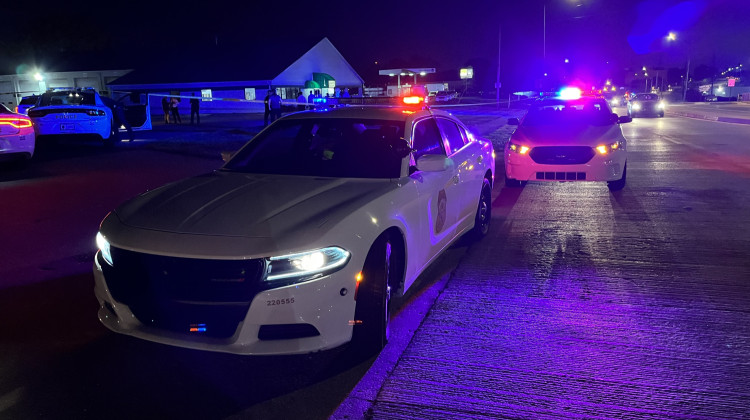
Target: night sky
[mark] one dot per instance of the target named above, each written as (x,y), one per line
(599,37)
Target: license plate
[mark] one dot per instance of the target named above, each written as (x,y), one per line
(67,127)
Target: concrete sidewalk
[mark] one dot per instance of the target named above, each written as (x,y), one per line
(731,112)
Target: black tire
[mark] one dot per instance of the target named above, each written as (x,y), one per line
(620,183)
(484,213)
(661,115)
(512,183)
(373,311)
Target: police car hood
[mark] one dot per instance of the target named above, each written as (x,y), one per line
(567,135)
(250,205)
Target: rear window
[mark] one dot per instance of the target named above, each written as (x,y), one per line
(28,100)
(4,109)
(68,98)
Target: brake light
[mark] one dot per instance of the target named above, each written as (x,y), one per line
(16,122)
(413,100)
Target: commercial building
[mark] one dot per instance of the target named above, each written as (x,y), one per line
(229,78)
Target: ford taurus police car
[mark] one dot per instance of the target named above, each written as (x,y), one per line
(299,242)
(63,111)
(567,139)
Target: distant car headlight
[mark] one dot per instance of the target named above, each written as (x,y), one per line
(636,106)
(614,102)
(303,266)
(103,245)
(518,148)
(608,148)
(661,105)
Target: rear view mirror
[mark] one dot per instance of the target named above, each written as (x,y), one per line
(624,119)
(226,155)
(401,148)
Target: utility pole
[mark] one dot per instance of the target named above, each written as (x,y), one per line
(497,82)
(687,81)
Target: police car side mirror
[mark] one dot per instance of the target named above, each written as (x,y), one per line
(513,121)
(226,155)
(434,163)
(624,119)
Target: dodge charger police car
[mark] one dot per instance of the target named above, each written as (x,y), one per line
(299,242)
(63,111)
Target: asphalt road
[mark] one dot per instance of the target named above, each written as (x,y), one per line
(584,304)
(667,251)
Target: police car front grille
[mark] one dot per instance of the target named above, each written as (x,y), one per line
(561,155)
(178,294)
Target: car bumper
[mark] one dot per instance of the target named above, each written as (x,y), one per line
(100,127)
(17,145)
(321,303)
(600,168)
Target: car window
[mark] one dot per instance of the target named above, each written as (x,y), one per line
(330,147)
(68,98)
(29,100)
(426,139)
(453,138)
(560,112)
(4,110)
(647,97)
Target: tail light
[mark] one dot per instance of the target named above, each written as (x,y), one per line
(95,112)
(16,122)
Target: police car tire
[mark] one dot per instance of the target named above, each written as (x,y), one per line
(620,183)
(372,312)
(484,212)
(113,137)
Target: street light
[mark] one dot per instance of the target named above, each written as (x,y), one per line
(673,37)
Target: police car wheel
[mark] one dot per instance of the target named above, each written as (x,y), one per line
(373,308)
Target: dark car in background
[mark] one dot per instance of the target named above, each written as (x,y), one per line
(26,103)
(642,104)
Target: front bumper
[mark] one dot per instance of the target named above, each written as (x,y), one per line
(607,167)
(321,304)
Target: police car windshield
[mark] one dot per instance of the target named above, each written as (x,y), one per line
(646,97)
(569,112)
(327,147)
(68,98)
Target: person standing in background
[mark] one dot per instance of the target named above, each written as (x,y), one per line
(267,112)
(174,107)
(165,108)
(194,110)
(274,104)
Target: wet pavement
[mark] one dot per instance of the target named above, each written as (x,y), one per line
(583,303)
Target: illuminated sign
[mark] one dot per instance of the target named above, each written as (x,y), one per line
(730,82)
(467,73)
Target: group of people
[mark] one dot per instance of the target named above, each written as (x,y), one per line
(171,107)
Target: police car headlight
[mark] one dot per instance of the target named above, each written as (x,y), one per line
(609,148)
(518,148)
(304,266)
(636,106)
(661,105)
(103,245)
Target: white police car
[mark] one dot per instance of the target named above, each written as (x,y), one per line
(567,138)
(62,111)
(17,138)
(300,240)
